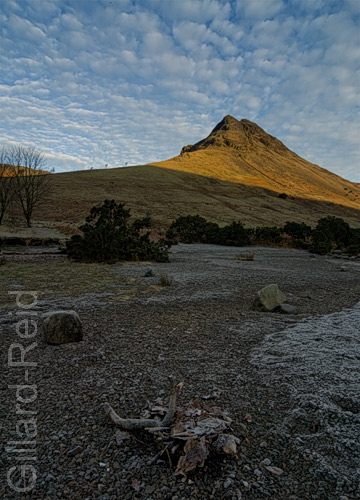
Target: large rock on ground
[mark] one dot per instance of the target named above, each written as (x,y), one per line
(61,327)
(268,298)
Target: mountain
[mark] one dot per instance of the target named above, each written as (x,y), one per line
(243,153)
(238,172)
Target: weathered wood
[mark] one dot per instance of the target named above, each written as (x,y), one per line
(143,423)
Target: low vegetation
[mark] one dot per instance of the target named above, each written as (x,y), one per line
(330,233)
(165,280)
(110,236)
(245,256)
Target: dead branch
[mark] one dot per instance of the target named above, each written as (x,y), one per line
(132,424)
(188,435)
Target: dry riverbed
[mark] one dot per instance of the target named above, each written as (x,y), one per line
(289,382)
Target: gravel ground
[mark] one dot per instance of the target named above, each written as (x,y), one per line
(289,382)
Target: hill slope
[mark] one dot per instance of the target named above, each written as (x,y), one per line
(236,173)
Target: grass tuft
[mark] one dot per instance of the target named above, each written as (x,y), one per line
(165,280)
(247,256)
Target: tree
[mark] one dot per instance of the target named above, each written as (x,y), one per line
(109,236)
(6,184)
(30,180)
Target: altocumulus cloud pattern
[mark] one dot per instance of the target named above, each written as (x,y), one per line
(128,82)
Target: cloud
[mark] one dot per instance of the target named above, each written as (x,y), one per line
(131,81)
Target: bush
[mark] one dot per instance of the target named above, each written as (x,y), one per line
(320,244)
(108,236)
(354,244)
(234,234)
(266,235)
(193,229)
(336,230)
(297,231)
(332,232)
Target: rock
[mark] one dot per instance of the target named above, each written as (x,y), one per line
(274,470)
(227,483)
(61,327)
(74,451)
(286,309)
(149,273)
(266,461)
(268,298)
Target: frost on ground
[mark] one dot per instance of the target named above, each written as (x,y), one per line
(317,362)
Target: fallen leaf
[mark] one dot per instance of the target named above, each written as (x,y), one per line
(195,456)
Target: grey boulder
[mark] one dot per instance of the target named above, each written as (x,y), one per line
(268,298)
(61,327)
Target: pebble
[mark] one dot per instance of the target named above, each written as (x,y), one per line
(266,461)
(228,483)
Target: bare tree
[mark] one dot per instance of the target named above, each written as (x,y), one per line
(6,184)
(30,179)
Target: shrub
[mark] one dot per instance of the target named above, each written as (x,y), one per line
(297,231)
(108,236)
(354,244)
(266,235)
(234,234)
(332,232)
(320,244)
(193,229)
(336,230)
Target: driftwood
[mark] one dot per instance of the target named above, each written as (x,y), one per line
(132,424)
(188,435)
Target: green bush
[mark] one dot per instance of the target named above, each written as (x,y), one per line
(332,232)
(109,236)
(193,229)
(297,231)
(354,244)
(234,234)
(336,230)
(266,235)
(321,244)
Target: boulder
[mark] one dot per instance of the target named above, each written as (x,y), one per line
(61,327)
(268,298)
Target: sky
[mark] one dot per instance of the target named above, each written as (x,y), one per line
(110,83)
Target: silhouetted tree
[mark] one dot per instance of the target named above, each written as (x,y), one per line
(30,181)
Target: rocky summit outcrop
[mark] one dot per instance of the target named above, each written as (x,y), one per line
(62,327)
(237,135)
